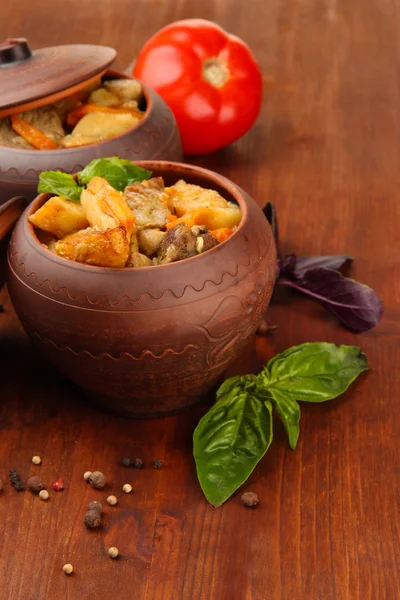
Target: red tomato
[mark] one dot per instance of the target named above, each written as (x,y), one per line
(209,78)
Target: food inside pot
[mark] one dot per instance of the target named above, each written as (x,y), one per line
(100,112)
(121,216)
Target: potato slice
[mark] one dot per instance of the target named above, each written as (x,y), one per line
(60,217)
(98,126)
(150,240)
(125,89)
(105,207)
(214,217)
(186,197)
(101,248)
(103,97)
(138,260)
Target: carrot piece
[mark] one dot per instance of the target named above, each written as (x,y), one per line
(32,135)
(189,220)
(171,218)
(77,113)
(221,234)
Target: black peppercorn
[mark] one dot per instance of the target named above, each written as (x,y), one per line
(15,480)
(95,506)
(249,499)
(157,464)
(92,519)
(2,309)
(126,462)
(35,484)
(138,463)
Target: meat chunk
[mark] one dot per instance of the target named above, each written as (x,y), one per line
(102,248)
(178,243)
(147,201)
(47,120)
(150,240)
(105,207)
(205,242)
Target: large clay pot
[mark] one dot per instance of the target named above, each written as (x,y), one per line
(149,341)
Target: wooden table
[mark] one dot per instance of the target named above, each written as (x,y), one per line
(326,150)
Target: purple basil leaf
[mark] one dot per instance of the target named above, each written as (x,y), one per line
(287,266)
(329,262)
(355,305)
(270,214)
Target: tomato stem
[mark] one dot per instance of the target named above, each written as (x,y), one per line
(215,72)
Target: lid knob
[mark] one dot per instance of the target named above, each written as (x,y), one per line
(13,50)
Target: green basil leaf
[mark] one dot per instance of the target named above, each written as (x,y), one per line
(60,184)
(314,372)
(288,411)
(231,438)
(117,171)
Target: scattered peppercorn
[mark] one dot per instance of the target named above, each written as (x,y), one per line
(2,309)
(126,462)
(95,506)
(86,475)
(127,488)
(112,500)
(249,499)
(97,479)
(15,480)
(58,485)
(44,495)
(113,552)
(263,327)
(157,464)
(35,484)
(68,569)
(36,460)
(138,463)
(92,519)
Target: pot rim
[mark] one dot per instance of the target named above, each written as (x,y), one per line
(61,151)
(153,165)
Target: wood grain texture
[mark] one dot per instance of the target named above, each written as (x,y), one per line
(326,151)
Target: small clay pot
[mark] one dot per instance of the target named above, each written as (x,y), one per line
(150,341)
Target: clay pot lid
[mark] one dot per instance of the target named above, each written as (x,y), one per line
(29,79)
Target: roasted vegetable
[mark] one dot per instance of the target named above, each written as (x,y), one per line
(60,217)
(32,135)
(136,259)
(105,207)
(97,126)
(102,248)
(150,240)
(212,210)
(103,97)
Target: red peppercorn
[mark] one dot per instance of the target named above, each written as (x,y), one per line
(58,485)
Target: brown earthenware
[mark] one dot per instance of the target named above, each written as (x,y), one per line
(9,215)
(150,341)
(155,137)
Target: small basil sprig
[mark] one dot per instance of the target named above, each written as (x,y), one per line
(118,172)
(237,431)
(355,305)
